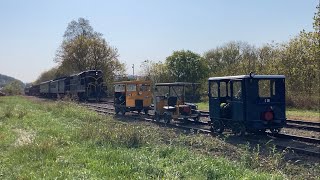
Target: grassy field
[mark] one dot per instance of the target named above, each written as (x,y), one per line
(60,140)
(291,113)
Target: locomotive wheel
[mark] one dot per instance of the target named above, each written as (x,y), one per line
(167,118)
(275,130)
(217,126)
(238,129)
(156,116)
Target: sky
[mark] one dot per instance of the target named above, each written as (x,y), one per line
(31,31)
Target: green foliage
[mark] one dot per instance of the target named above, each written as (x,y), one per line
(47,75)
(155,71)
(298,60)
(84,49)
(186,66)
(13,88)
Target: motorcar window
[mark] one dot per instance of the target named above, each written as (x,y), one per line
(266,88)
(237,90)
(119,88)
(131,87)
(214,89)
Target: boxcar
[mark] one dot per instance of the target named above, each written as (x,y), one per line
(132,96)
(251,103)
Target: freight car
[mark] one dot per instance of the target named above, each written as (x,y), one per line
(247,103)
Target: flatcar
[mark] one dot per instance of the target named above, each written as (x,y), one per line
(169,102)
(247,103)
(132,96)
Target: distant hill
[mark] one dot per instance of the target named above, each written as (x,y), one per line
(7,79)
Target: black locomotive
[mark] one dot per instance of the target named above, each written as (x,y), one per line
(86,85)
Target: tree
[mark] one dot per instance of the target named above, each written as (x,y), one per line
(47,75)
(233,57)
(155,71)
(83,49)
(13,88)
(186,66)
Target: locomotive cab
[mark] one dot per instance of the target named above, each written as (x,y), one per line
(86,86)
(132,96)
(169,102)
(247,103)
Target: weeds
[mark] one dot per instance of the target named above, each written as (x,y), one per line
(8,111)
(72,142)
(255,158)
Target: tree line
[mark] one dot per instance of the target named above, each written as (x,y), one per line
(298,59)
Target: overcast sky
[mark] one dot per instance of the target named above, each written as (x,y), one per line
(31,31)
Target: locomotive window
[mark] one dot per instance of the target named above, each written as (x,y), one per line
(214,89)
(266,88)
(131,87)
(119,88)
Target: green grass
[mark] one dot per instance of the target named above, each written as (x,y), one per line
(303,114)
(203,106)
(40,140)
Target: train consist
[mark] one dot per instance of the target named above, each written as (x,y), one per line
(244,103)
(86,85)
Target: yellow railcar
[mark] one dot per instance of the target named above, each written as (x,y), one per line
(132,96)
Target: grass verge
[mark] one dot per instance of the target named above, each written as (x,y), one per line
(40,140)
(298,114)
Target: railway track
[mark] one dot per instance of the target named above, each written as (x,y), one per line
(312,150)
(296,124)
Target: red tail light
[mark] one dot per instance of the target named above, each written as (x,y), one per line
(268,115)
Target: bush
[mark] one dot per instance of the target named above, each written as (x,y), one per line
(300,101)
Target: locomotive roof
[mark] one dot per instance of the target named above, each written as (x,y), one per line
(248,76)
(176,84)
(85,72)
(45,82)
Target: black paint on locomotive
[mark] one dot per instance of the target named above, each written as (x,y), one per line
(86,85)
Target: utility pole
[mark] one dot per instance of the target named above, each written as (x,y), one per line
(133,70)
